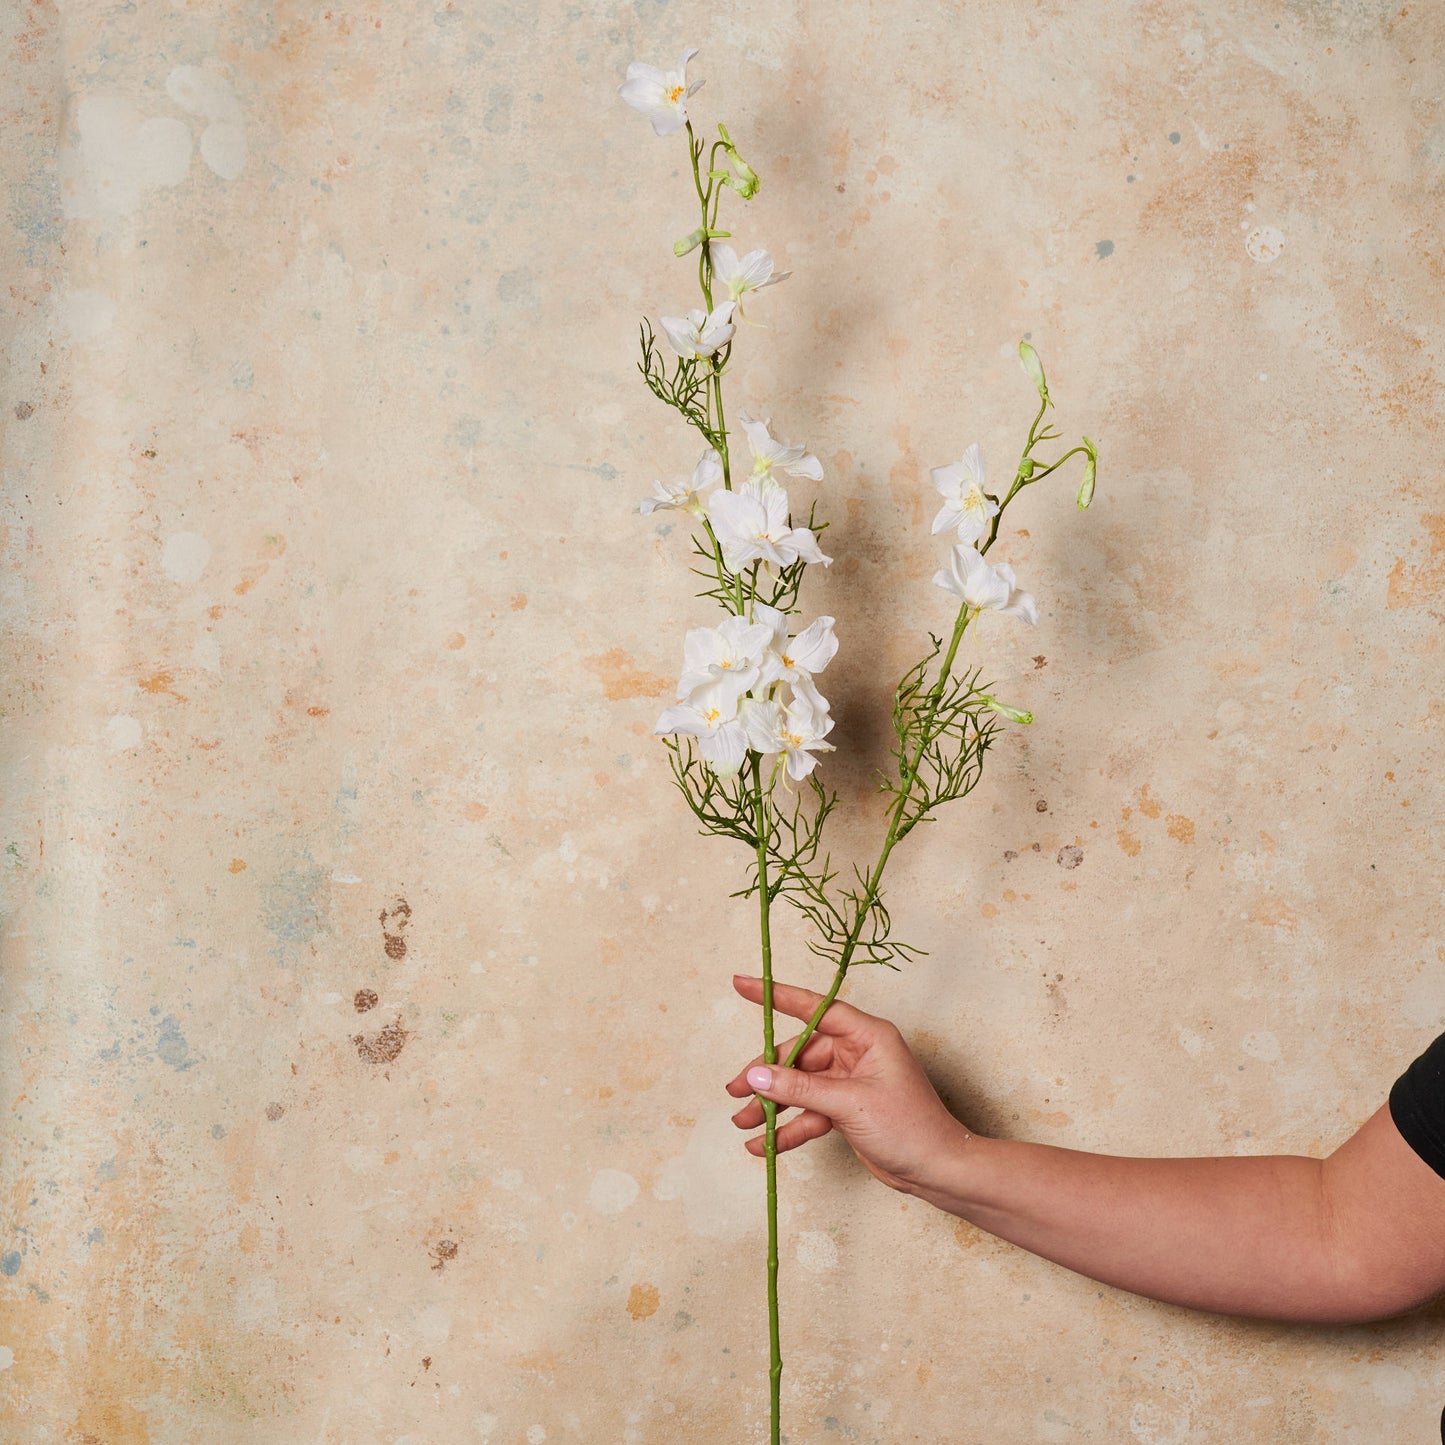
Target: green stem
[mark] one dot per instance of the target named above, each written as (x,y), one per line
(770,1109)
(875,878)
(714,383)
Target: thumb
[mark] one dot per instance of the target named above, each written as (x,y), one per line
(834,1098)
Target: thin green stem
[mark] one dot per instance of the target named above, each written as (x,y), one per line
(714,381)
(770,1109)
(875,877)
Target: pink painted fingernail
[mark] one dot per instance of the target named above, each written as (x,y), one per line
(760,1077)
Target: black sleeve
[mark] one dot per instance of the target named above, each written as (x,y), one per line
(1417,1105)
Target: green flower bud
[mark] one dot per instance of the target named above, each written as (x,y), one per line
(1086,487)
(1013,714)
(695,239)
(1035,368)
(745,182)
(1026,468)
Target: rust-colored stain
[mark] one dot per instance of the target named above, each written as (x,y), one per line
(317,711)
(642,1301)
(519,602)
(1200,201)
(903,476)
(393,921)
(1180,827)
(382,1047)
(1150,807)
(1275,912)
(365,999)
(238,865)
(1412,400)
(1128,842)
(1055,1119)
(456,640)
(275,1111)
(989,910)
(1422,581)
(160,682)
(271,548)
(969,1236)
(443,1251)
(475,812)
(924,1371)
(622,678)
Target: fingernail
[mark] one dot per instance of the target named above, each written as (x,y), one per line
(760,1077)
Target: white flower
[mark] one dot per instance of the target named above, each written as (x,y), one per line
(966,506)
(795,660)
(700,333)
(660,95)
(720,664)
(752,525)
(721,737)
(768,453)
(667,495)
(804,687)
(752,273)
(984,587)
(795,731)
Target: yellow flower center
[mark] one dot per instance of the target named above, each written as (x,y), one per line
(711,716)
(675,94)
(793,740)
(973,500)
(787,661)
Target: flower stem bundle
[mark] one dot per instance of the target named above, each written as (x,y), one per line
(750,721)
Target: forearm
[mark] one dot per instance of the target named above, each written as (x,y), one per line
(1248,1236)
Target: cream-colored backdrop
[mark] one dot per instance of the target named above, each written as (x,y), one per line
(365,984)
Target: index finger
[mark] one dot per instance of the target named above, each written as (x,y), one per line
(842,1020)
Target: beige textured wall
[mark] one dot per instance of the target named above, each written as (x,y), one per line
(333,647)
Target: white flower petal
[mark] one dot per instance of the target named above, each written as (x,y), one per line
(950,514)
(725,748)
(805,545)
(814,647)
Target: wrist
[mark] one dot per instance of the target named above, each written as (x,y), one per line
(942,1168)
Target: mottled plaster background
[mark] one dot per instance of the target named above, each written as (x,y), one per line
(365,984)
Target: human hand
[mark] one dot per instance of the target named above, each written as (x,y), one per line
(855,1074)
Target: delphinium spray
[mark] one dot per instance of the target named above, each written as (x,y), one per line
(750,721)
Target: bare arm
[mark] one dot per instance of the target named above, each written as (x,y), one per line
(1357,1236)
